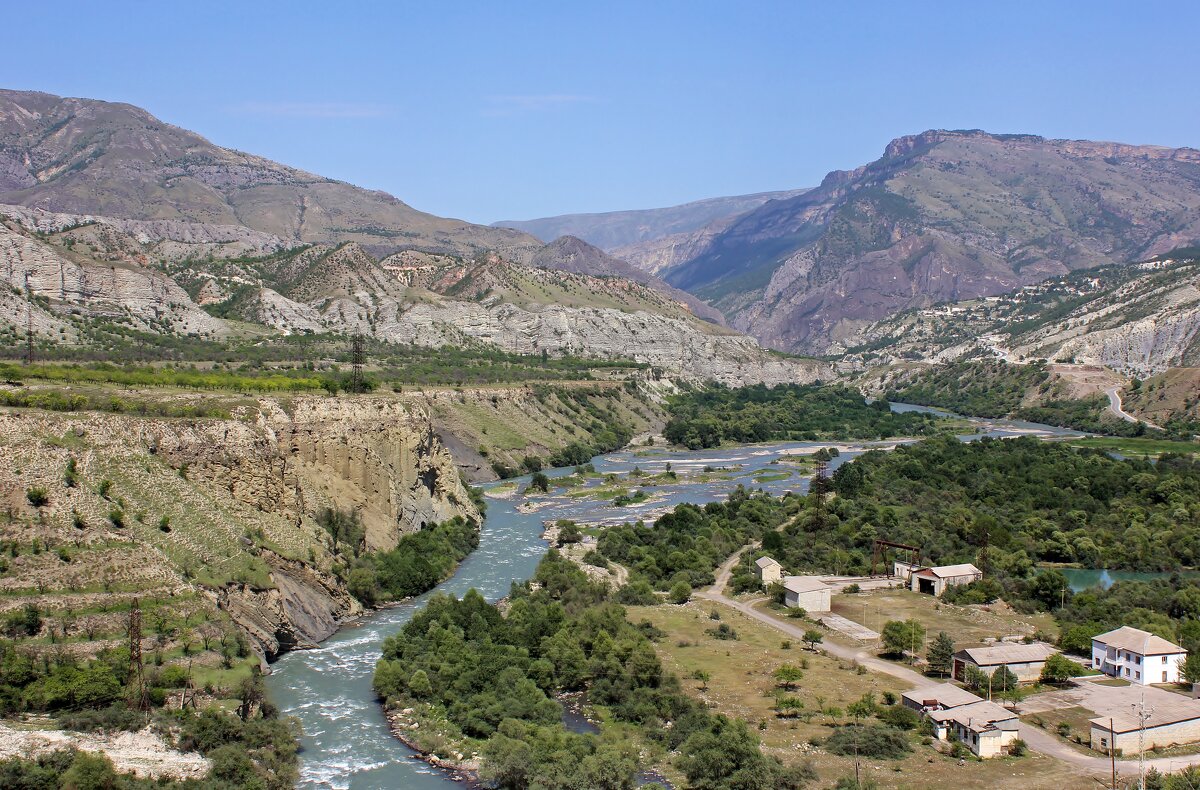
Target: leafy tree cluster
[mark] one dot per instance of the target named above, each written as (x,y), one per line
(419,562)
(686,545)
(715,415)
(1083,414)
(495,677)
(1031,501)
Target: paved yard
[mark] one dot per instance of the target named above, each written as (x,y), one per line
(847,627)
(1107,700)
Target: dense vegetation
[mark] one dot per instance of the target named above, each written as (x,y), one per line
(251,748)
(687,544)
(1031,501)
(1083,414)
(977,389)
(493,679)
(712,416)
(419,562)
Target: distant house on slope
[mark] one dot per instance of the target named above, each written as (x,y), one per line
(1137,656)
(806,592)
(1024,661)
(769,571)
(934,581)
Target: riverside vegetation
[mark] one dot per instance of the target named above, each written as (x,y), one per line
(488,679)
(712,416)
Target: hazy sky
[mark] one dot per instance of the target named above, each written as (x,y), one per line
(511,110)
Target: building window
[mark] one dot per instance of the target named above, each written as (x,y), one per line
(1096,661)
(1126,671)
(1137,675)
(1164,659)
(1164,680)
(1138,660)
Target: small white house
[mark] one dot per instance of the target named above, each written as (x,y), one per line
(1137,656)
(769,571)
(806,592)
(984,727)
(934,581)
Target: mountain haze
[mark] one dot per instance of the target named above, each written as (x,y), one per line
(612,229)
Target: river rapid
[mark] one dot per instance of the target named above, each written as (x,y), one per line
(347,743)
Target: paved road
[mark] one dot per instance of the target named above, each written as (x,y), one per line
(1116,407)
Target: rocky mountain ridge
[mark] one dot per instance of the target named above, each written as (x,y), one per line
(941,216)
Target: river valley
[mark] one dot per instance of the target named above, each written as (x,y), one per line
(347,742)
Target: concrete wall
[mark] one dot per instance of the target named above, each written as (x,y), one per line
(815,601)
(769,574)
(1168,735)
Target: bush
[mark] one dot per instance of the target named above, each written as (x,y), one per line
(1018,748)
(681,593)
(879,742)
(900,717)
(37,496)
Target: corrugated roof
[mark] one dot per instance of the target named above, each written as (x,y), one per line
(1138,641)
(947,695)
(764,562)
(1007,654)
(977,716)
(803,584)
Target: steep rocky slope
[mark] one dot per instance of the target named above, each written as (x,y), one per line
(83,156)
(942,216)
(612,229)
(1138,320)
(214,515)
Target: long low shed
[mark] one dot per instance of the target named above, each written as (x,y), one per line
(1169,724)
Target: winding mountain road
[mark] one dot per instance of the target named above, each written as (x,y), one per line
(1117,408)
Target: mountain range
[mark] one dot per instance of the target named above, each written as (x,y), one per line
(941,216)
(110,215)
(618,229)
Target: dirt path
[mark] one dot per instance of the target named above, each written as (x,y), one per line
(1038,739)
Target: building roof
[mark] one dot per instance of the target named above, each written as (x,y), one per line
(947,695)
(1163,712)
(1007,654)
(951,571)
(977,716)
(1138,641)
(766,562)
(803,584)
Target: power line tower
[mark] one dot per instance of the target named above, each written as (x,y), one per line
(817,487)
(358,355)
(138,698)
(1143,714)
(28,321)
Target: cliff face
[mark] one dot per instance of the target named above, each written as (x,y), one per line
(218,514)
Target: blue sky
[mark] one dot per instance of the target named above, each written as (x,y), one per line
(511,110)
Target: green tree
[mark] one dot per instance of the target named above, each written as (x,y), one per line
(539,482)
(901,636)
(941,654)
(1004,680)
(1059,669)
(812,637)
(419,685)
(788,676)
(89,771)
(37,496)
(681,592)
(1191,668)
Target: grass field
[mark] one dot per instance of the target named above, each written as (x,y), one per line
(1134,447)
(740,684)
(969,625)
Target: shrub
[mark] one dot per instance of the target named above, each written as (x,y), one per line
(681,593)
(869,741)
(1018,748)
(900,717)
(37,496)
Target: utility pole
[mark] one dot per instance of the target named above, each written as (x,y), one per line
(137,671)
(817,488)
(28,322)
(358,355)
(1112,751)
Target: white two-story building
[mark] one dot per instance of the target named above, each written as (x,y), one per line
(1137,656)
